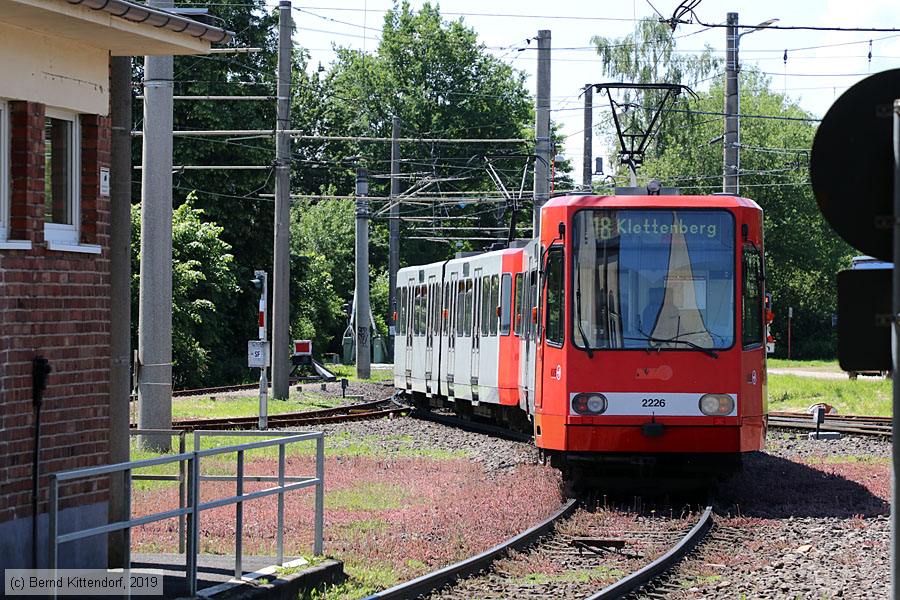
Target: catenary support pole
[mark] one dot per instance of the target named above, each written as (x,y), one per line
(895,346)
(730,183)
(120,294)
(542,129)
(363,339)
(282,273)
(394,230)
(588,167)
(155,302)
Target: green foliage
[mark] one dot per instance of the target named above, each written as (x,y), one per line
(860,397)
(648,55)
(203,292)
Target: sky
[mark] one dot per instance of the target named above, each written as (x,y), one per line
(820,64)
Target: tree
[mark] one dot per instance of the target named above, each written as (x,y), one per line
(441,82)
(649,55)
(203,295)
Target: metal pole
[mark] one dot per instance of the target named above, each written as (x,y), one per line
(318,534)
(282,251)
(193,521)
(730,184)
(53,524)
(588,167)
(363,343)
(394,229)
(263,324)
(895,344)
(155,318)
(239,519)
(120,291)
(181,491)
(542,129)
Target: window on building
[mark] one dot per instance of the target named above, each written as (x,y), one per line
(752,298)
(61,177)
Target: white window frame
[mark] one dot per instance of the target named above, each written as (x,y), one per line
(61,236)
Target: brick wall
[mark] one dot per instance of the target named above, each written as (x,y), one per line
(54,304)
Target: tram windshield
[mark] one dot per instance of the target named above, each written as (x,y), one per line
(655,278)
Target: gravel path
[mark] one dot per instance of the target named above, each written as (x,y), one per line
(392,435)
(805,520)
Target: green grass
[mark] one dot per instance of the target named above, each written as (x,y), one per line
(368,496)
(343,444)
(363,580)
(809,365)
(349,372)
(241,406)
(860,397)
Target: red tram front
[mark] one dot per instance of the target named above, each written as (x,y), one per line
(652,310)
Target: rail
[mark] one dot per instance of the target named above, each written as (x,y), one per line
(648,573)
(193,507)
(432,581)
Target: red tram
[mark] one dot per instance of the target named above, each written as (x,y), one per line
(631,326)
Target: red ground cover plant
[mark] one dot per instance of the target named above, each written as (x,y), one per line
(413,514)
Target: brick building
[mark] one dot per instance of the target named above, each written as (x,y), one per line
(54,246)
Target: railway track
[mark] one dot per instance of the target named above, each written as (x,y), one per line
(352,412)
(857,424)
(575,563)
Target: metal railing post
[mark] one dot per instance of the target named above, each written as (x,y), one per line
(320,496)
(239,518)
(181,491)
(193,539)
(280,533)
(127,532)
(52,515)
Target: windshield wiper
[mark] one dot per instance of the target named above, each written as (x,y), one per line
(675,340)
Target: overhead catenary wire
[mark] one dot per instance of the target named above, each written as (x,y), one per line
(300,135)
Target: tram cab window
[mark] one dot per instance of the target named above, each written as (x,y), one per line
(505,303)
(555,297)
(751,297)
(517,304)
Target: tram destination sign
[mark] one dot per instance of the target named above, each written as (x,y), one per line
(851,167)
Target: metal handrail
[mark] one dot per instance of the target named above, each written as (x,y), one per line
(191,507)
(180,478)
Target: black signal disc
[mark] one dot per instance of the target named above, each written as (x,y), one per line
(851,167)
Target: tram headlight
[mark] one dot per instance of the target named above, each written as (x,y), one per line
(716,404)
(589,403)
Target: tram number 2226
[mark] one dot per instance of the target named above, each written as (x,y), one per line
(653,402)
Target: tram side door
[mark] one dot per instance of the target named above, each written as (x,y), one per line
(476,330)
(451,333)
(429,331)
(410,317)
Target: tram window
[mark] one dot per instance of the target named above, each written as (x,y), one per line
(460,307)
(555,297)
(505,303)
(535,326)
(485,305)
(467,329)
(401,310)
(751,297)
(444,294)
(495,302)
(517,305)
(526,308)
